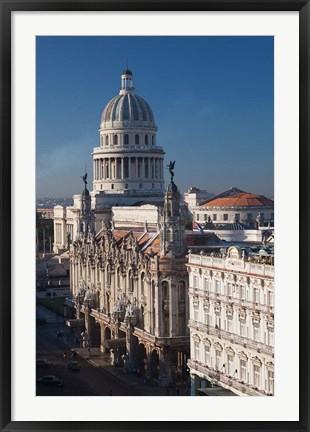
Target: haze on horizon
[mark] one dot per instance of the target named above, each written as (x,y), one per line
(212,98)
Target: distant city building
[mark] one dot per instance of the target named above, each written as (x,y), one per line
(46,213)
(246,208)
(194,196)
(232,320)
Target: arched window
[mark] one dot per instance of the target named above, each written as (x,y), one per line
(115,139)
(165,316)
(153,139)
(137,139)
(131,282)
(126,139)
(107,140)
(146,140)
(142,283)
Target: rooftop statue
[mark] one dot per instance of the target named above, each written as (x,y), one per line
(84,177)
(171,168)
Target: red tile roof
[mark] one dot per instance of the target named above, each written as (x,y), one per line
(240,200)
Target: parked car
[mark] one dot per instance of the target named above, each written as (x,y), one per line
(50,380)
(74,365)
(43,363)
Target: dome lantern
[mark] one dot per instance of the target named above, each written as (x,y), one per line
(127,82)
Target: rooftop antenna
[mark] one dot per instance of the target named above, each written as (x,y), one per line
(126,63)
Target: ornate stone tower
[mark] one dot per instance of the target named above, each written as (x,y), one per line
(86,218)
(172,235)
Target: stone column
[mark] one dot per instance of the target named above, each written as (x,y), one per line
(137,174)
(165,368)
(148,287)
(173,316)
(122,169)
(143,167)
(103,169)
(110,170)
(158,309)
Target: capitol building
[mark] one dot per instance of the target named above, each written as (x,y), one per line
(178,306)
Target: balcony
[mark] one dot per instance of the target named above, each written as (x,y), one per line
(238,265)
(232,337)
(224,380)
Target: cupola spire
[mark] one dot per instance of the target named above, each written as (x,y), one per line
(127,81)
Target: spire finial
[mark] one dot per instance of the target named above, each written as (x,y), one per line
(127,63)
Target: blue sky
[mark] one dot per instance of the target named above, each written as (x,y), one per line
(212,99)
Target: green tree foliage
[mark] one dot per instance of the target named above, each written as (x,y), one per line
(44,231)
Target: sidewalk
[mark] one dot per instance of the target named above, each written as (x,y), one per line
(103,361)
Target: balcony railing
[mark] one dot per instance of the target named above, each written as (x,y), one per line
(238,265)
(232,337)
(224,380)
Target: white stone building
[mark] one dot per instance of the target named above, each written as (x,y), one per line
(232,321)
(194,196)
(234,205)
(128,165)
(129,288)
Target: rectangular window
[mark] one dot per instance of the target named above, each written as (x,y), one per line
(229,325)
(218,360)
(269,298)
(196,315)
(214,217)
(217,286)
(230,365)
(256,295)
(257,376)
(270,334)
(197,351)
(206,284)
(225,217)
(243,371)
(237,217)
(207,356)
(270,384)
(208,318)
(197,218)
(242,292)
(195,281)
(205,216)
(256,333)
(229,290)
(242,329)
(250,216)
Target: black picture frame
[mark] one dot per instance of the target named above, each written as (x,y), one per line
(7,7)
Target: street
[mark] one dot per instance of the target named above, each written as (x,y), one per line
(89,381)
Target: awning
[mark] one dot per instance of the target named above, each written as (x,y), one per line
(75,323)
(115,343)
(215,391)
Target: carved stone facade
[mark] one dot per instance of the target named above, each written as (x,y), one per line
(232,322)
(132,295)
